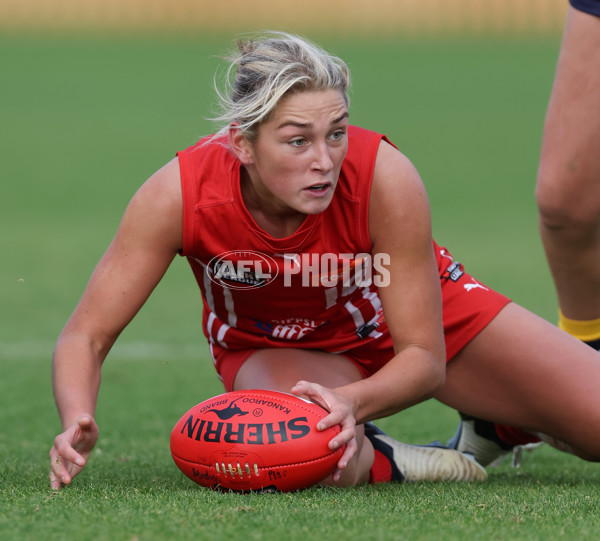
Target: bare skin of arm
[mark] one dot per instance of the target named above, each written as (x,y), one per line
(148,238)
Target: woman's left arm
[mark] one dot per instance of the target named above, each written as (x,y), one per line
(400,228)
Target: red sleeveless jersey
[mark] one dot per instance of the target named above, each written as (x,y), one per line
(312,289)
(260,291)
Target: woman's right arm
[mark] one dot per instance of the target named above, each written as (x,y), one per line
(147,240)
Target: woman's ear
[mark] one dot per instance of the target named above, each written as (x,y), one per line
(240,146)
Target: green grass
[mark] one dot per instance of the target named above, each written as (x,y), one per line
(132,489)
(85,121)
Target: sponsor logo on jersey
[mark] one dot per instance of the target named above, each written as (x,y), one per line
(293,328)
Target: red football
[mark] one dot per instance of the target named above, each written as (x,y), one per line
(254,440)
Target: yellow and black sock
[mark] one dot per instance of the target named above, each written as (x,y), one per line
(586,331)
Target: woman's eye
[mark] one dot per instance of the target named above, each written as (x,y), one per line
(337,135)
(298,142)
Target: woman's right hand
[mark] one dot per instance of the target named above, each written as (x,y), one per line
(71,450)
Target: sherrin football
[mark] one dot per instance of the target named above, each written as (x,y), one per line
(254,440)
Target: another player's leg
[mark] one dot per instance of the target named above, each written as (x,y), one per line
(385,461)
(532,380)
(568,196)
(568,184)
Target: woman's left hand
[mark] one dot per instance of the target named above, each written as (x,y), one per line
(341,412)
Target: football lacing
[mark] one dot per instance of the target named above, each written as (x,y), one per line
(229,468)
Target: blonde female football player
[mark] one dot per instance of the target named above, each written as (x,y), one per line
(310,240)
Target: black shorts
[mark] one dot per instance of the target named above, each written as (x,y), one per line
(589,6)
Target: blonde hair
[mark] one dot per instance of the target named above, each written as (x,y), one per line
(270,67)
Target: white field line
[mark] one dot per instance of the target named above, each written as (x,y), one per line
(40,350)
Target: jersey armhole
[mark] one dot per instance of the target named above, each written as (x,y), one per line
(187,194)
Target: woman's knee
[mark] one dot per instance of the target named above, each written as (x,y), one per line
(562,211)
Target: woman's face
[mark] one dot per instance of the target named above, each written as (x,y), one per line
(295,162)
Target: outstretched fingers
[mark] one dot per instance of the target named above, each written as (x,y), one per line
(70,451)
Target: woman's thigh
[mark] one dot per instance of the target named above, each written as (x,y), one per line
(523,371)
(281,369)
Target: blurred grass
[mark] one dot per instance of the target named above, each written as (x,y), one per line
(87,121)
(470,117)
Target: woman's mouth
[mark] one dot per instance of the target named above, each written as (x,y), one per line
(318,189)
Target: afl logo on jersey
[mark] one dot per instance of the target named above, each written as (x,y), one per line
(242,269)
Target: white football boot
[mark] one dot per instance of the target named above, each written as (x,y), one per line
(424,462)
(479,438)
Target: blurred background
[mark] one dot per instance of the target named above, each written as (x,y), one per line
(334,17)
(98,94)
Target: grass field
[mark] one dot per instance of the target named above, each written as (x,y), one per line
(85,121)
